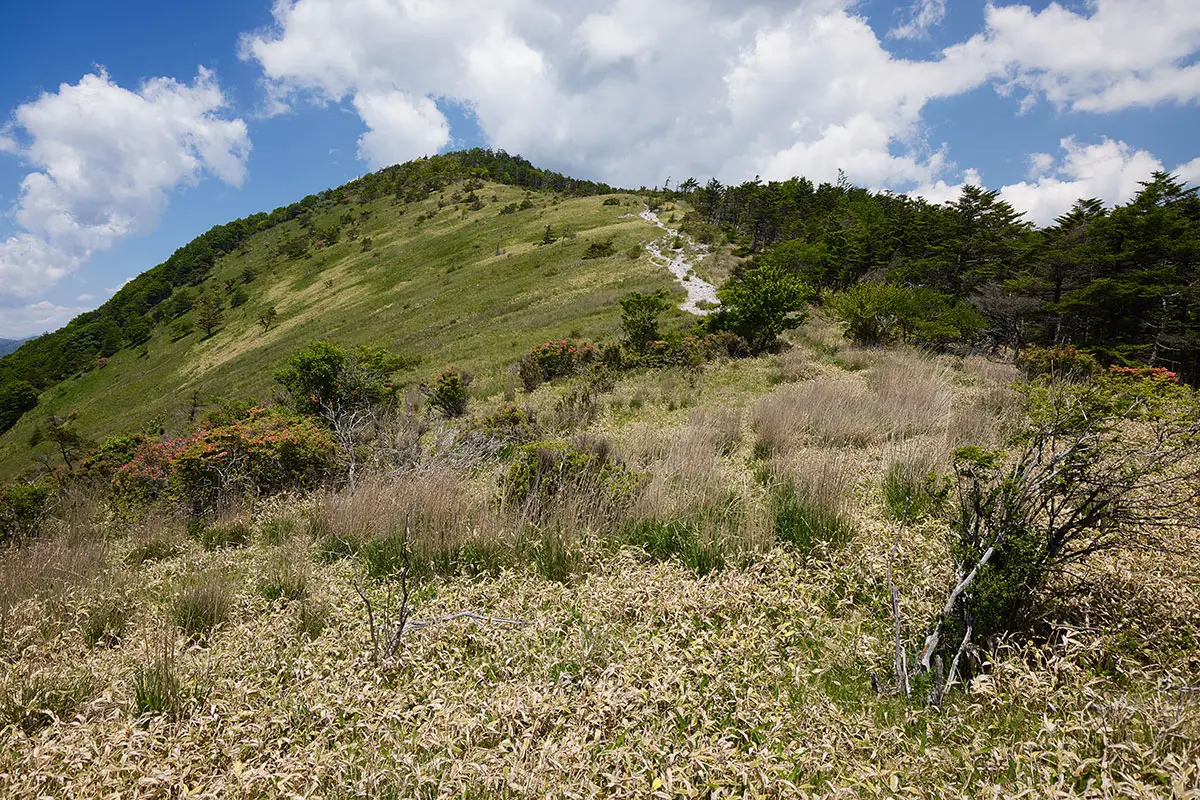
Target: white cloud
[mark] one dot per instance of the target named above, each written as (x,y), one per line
(923,15)
(1190,172)
(940,191)
(627,91)
(105,159)
(1120,54)
(35,318)
(401,127)
(1110,170)
(631,92)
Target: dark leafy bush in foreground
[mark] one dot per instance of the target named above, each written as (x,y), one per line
(23,507)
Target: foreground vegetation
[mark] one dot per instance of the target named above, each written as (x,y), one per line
(700,607)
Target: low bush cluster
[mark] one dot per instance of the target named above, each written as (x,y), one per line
(23,508)
(555,359)
(265,452)
(545,472)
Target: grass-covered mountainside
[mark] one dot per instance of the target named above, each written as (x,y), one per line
(435,260)
(907,508)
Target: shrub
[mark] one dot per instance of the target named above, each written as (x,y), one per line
(326,380)
(880,313)
(681,539)
(640,313)
(277,530)
(15,399)
(267,452)
(911,494)
(759,304)
(157,688)
(156,547)
(599,250)
(554,552)
(547,472)
(311,618)
(448,394)
(23,508)
(1063,363)
(112,454)
(555,359)
(509,424)
(202,604)
(611,201)
(283,579)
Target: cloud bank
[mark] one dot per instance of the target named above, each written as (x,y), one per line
(104,161)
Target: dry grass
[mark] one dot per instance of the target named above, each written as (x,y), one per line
(697,661)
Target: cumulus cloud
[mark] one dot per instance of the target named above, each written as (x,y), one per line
(1110,170)
(923,15)
(34,318)
(630,91)
(1118,54)
(626,91)
(105,159)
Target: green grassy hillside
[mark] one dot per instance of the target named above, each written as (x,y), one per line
(440,283)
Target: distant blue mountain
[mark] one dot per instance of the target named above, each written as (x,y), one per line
(8,345)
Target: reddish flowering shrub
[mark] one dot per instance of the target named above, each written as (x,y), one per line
(555,359)
(264,452)
(1144,373)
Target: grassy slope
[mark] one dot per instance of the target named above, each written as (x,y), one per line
(434,290)
(634,678)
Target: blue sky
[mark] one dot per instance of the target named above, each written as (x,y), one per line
(128,129)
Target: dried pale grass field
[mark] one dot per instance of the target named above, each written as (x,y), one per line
(741,667)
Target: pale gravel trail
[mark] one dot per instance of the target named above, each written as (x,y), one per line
(680,264)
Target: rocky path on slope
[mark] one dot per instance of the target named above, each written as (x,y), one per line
(701,295)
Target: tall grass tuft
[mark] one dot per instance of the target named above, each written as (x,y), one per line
(285,577)
(32,702)
(805,523)
(202,604)
(106,620)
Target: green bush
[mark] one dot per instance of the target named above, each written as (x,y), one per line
(640,314)
(759,304)
(23,508)
(1063,363)
(549,472)
(600,250)
(278,530)
(105,621)
(158,547)
(283,580)
(36,701)
(448,394)
(510,424)
(15,399)
(910,495)
(681,539)
(326,380)
(222,536)
(157,688)
(880,313)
